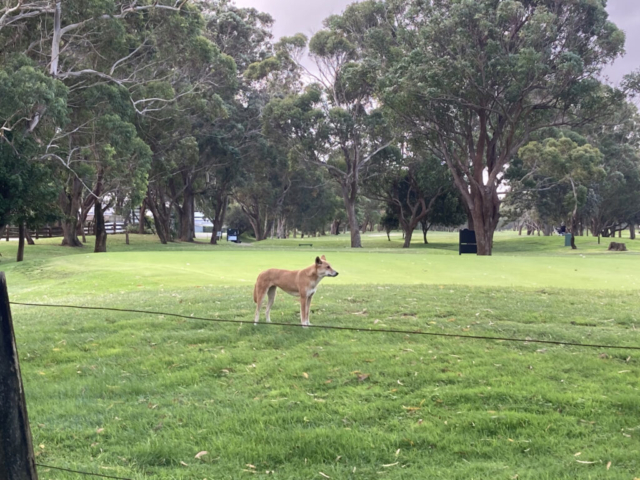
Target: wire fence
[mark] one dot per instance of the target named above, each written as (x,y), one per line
(335,327)
(319,327)
(90,474)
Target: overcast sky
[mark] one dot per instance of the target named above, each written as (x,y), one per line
(305,16)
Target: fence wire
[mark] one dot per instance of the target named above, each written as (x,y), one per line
(335,327)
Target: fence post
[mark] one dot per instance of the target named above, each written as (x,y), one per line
(17,461)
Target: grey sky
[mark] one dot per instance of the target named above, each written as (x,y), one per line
(305,16)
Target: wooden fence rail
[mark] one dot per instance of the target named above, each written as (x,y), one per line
(52,232)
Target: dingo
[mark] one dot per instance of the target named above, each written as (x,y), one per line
(299,283)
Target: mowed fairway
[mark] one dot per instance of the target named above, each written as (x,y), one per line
(140,396)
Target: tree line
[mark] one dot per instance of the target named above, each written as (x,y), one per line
(414,114)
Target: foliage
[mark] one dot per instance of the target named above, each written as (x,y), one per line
(564,162)
(476,79)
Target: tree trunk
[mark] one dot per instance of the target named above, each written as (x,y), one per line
(161,215)
(470,223)
(407,237)
(98,215)
(620,233)
(192,218)
(349,194)
(101,229)
(21,235)
(282,231)
(256,225)
(483,203)
(27,235)
(425,230)
(126,227)
(57,38)
(218,219)
(70,204)
(143,209)
(186,215)
(574,229)
(632,231)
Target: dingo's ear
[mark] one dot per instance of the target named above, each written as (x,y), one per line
(318,261)
(323,258)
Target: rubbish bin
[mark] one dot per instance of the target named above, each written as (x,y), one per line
(567,240)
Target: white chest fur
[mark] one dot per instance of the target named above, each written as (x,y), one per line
(312,287)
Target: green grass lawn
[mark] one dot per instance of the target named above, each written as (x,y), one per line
(139,396)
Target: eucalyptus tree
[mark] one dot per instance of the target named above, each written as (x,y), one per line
(476,78)
(410,183)
(107,54)
(564,162)
(334,123)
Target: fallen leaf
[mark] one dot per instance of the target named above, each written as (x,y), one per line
(100,430)
(578,454)
(624,371)
(200,454)
(587,463)
(250,466)
(390,465)
(324,475)
(608,465)
(182,463)
(363,377)
(305,374)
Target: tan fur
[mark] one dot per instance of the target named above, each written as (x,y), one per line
(299,283)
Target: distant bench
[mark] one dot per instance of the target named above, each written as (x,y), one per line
(305,244)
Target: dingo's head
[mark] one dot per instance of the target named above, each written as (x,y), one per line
(324,269)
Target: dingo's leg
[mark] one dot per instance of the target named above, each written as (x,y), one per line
(303,310)
(259,298)
(308,309)
(271,294)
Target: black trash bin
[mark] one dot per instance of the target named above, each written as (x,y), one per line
(468,242)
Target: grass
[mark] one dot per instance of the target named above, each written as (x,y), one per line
(139,396)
